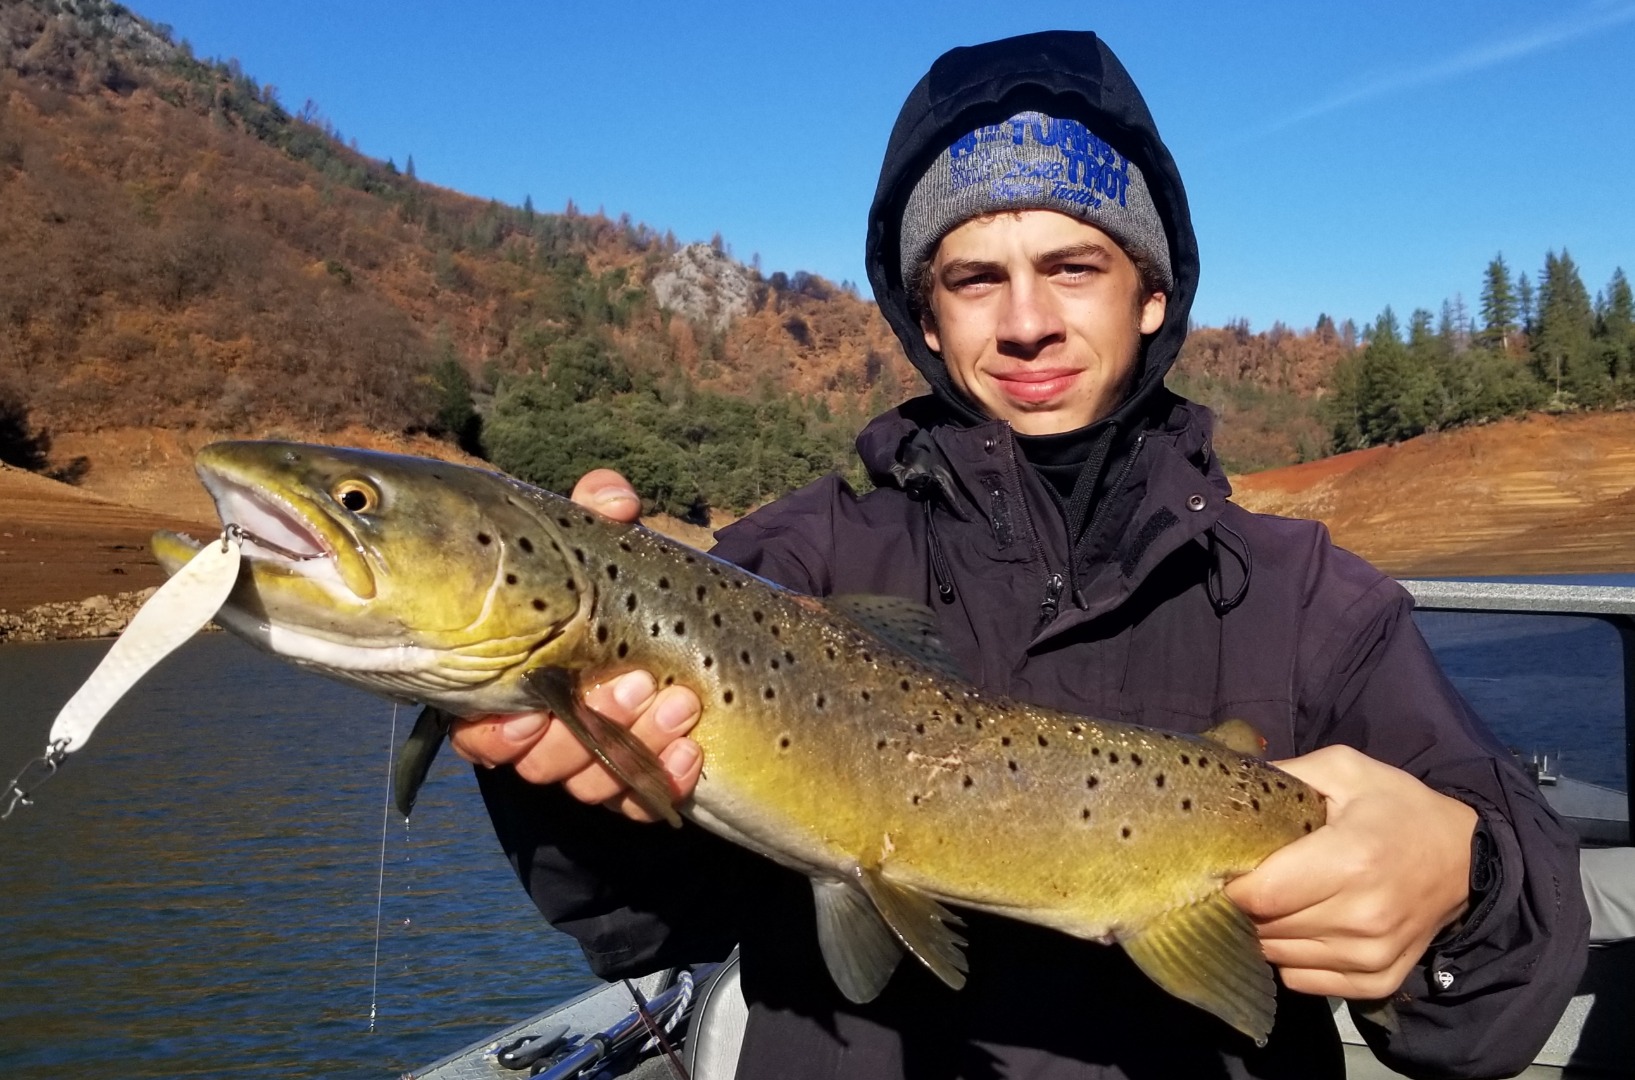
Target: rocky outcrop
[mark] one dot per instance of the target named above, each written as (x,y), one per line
(704,285)
(94,617)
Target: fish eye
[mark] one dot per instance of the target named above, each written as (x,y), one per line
(356,496)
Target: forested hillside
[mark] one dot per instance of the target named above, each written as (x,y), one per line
(180,250)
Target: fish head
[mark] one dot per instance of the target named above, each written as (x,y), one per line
(419,578)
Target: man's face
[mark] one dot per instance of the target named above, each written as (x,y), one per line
(1039,318)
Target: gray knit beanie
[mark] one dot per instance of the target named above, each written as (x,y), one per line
(1035,162)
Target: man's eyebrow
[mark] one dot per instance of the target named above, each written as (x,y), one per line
(1088,249)
(968,266)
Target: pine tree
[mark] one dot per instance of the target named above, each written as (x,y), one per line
(408,167)
(1563,348)
(1615,331)
(1499,307)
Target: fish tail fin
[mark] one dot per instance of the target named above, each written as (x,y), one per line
(1207,953)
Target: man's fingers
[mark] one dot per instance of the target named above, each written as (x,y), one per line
(498,740)
(1285,882)
(608,493)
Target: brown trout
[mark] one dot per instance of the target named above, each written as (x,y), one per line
(838,738)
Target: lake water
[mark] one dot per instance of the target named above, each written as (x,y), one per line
(195,893)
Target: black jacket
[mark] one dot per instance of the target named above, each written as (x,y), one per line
(1176,609)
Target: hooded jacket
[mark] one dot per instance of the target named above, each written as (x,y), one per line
(1174,609)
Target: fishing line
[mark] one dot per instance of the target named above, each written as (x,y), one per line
(380,880)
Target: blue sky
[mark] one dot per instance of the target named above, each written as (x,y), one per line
(1338,158)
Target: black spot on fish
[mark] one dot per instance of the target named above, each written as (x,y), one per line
(904,685)
(1186,759)
(967,782)
(579,554)
(612,571)
(1075,729)
(916,800)
(1092,782)
(690,560)
(1112,757)
(868,658)
(664,583)
(743,657)
(701,592)
(831,651)
(539,605)
(484,539)
(1256,804)
(788,657)
(624,545)
(775,631)
(773,663)
(653,631)
(1265,787)
(715,570)
(716,618)
(510,579)
(669,680)
(821,701)
(564,522)
(630,602)
(919,728)
(1307,826)
(1095,751)
(601,635)
(1203,763)
(1281,786)
(588,519)
(867,696)
(726,696)
(979,723)
(1158,781)
(709,661)
(959,718)
(525,544)
(624,649)
(769,693)
(1135,759)
(680,628)
(1012,764)
(1124,832)
(1043,741)
(1224,770)
(1300,796)
(1084,815)
(1186,804)
(880,744)
(1004,740)
(783,742)
(756,615)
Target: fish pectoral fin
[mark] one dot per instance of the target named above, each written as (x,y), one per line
(620,752)
(907,624)
(1207,953)
(431,728)
(920,923)
(1239,735)
(857,947)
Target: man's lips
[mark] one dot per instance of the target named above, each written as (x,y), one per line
(1036,386)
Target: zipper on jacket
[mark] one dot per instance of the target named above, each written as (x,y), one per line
(1101,513)
(1054,584)
(1054,581)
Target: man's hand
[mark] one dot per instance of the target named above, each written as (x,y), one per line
(1349,910)
(546,752)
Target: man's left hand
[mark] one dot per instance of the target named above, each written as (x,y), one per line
(1348,910)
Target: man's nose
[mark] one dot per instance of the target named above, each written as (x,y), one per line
(1031,317)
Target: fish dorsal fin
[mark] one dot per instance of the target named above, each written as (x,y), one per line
(920,923)
(419,751)
(620,752)
(1239,735)
(857,947)
(906,624)
(1207,953)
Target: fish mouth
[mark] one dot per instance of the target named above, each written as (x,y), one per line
(286,538)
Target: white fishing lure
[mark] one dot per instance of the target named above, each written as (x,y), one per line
(175,612)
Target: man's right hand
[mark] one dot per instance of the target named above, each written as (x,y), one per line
(546,752)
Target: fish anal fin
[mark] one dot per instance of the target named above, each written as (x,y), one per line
(431,727)
(907,624)
(1207,953)
(620,752)
(920,923)
(1239,735)
(857,947)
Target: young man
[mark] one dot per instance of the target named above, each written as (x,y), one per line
(1065,517)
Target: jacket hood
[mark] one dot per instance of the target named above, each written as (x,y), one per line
(1069,74)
